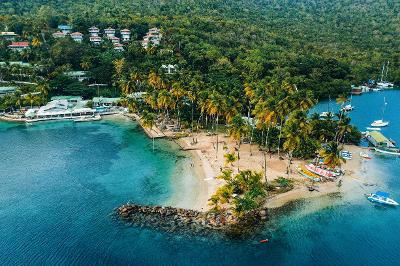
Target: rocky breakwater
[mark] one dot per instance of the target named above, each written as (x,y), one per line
(172,219)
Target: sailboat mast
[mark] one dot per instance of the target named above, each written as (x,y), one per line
(387,69)
(383,70)
(384,107)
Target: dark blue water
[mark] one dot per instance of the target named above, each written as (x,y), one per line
(60,182)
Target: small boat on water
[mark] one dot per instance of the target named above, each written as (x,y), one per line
(374,128)
(382,198)
(381,122)
(325,114)
(376,89)
(387,150)
(348,108)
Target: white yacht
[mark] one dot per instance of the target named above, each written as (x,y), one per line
(381,122)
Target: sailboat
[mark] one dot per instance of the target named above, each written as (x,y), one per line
(348,107)
(329,113)
(381,122)
(383,84)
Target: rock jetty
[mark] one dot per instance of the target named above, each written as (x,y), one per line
(172,219)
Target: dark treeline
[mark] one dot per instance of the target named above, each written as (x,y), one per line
(323,45)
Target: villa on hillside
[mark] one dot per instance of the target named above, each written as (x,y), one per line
(170,69)
(152,37)
(109,32)
(66,29)
(8,35)
(18,46)
(79,75)
(114,39)
(95,40)
(58,34)
(7,90)
(118,47)
(77,36)
(126,35)
(94,31)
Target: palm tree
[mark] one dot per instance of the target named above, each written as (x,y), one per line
(164,101)
(296,128)
(216,107)
(236,130)
(30,99)
(178,92)
(148,121)
(343,128)
(230,158)
(331,154)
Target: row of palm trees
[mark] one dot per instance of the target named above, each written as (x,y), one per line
(274,106)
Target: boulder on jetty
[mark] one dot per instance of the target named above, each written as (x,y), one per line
(172,219)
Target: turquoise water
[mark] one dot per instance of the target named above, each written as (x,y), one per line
(59,182)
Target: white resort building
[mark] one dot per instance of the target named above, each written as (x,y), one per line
(94,31)
(126,35)
(153,37)
(77,36)
(95,40)
(8,35)
(66,29)
(59,34)
(18,46)
(109,32)
(59,110)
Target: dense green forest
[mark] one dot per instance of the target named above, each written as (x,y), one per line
(322,45)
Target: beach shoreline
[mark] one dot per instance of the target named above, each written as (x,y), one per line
(207,164)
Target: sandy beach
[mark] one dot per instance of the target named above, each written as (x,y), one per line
(210,164)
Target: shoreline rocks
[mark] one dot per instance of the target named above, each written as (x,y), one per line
(172,219)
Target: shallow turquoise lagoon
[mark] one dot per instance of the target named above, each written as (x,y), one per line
(59,183)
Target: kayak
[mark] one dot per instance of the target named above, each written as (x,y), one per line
(264,241)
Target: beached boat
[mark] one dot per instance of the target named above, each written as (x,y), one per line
(88,118)
(382,198)
(321,172)
(307,174)
(364,155)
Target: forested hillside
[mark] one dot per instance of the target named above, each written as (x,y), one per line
(320,45)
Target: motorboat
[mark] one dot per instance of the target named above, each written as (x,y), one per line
(326,114)
(374,128)
(382,198)
(348,108)
(380,123)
